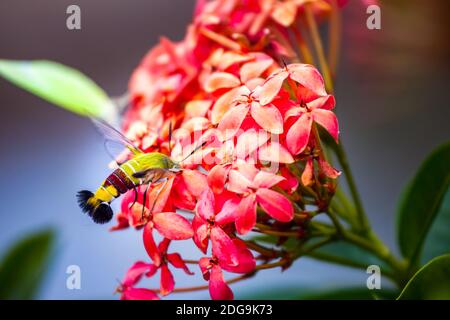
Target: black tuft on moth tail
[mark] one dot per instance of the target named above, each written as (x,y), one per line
(103,213)
(85,201)
(99,211)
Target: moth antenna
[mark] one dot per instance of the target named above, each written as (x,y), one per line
(170,137)
(195,150)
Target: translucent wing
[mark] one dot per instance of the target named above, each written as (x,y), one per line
(114,139)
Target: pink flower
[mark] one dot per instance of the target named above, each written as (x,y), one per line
(235,86)
(212,270)
(210,221)
(169,224)
(285,12)
(132,277)
(255,186)
(263,112)
(324,167)
(291,182)
(222,85)
(162,262)
(317,110)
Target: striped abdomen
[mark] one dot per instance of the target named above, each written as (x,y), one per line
(119,181)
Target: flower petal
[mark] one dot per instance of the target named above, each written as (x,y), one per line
(139,294)
(328,120)
(205,205)
(275,204)
(268,117)
(254,69)
(196,124)
(275,152)
(195,182)
(150,245)
(266,179)
(223,103)
(159,195)
(246,260)
(173,226)
(307,76)
(298,135)
(229,58)
(228,212)
(197,108)
(135,273)
(270,89)
(122,222)
(246,214)
(328,170)
(217,177)
(308,173)
(205,266)
(218,288)
(232,120)
(222,246)
(167,282)
(284,13)
(290,184)
(221,80)
(200,233)
(176,260)
(237,182)
(326,102)
(249,141)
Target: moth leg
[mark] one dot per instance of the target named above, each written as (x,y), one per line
(135,197)
(145,200)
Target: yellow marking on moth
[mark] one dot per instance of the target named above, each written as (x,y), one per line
(106,194)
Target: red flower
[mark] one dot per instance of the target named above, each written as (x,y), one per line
(212,270)
(263,112)
(222,85)
(132,277)
(162,262)
(317,110)
(209,222)
(255,186)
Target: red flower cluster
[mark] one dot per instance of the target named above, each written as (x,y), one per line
(225,86)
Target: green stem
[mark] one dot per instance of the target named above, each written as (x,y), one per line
(363,222)
(345,262)
(377,247)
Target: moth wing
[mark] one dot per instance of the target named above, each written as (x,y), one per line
(115,141)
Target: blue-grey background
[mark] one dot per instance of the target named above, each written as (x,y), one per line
(392,93)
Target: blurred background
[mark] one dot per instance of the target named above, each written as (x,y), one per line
(392,100)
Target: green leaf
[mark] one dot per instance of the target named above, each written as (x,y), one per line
(61,85)
(23,267)
(438,239)
(431,282)
(421,202)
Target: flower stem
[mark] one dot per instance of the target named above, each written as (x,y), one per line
(335,28)
(318,46)
(363,223)
(377,247)
(204,287)
(303,48)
